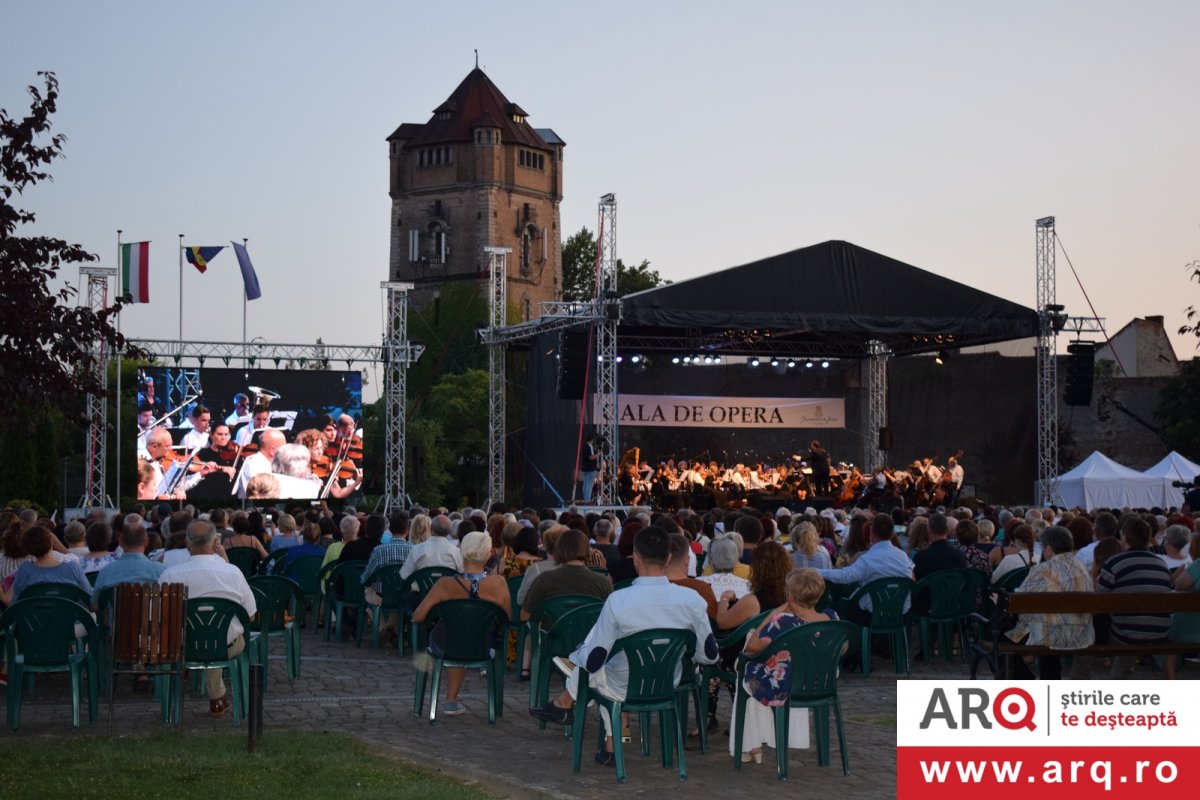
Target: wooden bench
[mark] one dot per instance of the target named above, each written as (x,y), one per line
(1010,605)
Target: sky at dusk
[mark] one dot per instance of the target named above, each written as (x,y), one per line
(935,133)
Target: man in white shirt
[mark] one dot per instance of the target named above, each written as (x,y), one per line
(260,462)
(208,575)
(200,419)
(259,421)
(651,602)
(241,410)
(436,551)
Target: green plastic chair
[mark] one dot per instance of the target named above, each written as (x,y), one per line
(306,572)
(67,591)
(244,558)
(277,597)
(325,594)
(470,626)
(393,596)
(514,622)
(566,633)
(352,596)
(625,584)
(419,584)
(208,621)
(814,651)
(549,611)
(92,576)
(944,589)
(888,599)
(271,562)
(735,637)
(653,656)
(39,634)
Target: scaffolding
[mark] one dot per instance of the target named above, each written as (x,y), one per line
(95,486)
(876,368)
(606,314)
(1049,313)
(497,318)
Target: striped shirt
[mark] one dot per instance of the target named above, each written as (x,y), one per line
(1136,571)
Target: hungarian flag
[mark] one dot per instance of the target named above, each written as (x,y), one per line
(199,257)
(135,272)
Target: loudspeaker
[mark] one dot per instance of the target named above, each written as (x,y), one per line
(418,464)
(1081,372)
(572,365)
(885,438)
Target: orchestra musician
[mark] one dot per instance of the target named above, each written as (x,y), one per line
(146,399)
(159,455)
(241,411)
(322,465)
(257,463)
(222,454)
(259,419)
(199,419)
(954,479)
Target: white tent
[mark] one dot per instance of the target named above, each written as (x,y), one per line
(1100,482)
(1173,468)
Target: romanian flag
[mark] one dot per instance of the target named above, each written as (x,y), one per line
(199,257)
(135,272)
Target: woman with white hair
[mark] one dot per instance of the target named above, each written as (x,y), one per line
(806,547)
(473,582)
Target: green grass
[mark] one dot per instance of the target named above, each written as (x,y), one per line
(179,765)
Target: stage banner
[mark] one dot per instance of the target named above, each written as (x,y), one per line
(682,411)
(1046,739)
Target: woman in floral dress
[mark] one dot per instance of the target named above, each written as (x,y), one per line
(770,683)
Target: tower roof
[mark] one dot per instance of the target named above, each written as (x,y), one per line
(475,102)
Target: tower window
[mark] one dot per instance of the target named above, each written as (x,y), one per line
(531,159)
(435,157)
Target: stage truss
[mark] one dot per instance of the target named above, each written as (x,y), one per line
(396,353)
(497,318)
(95,484)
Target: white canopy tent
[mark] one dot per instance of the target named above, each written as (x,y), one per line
(1173,468)
(1100,482)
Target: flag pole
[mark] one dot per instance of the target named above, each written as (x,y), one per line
(181,294)
(119,295)
(245,365)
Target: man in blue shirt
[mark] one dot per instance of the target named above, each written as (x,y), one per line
(133,566)
(880,560)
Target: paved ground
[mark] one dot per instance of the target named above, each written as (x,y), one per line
(368,692)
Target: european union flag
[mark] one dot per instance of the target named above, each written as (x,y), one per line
(199,257)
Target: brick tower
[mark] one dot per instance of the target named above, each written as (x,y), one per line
(477,175)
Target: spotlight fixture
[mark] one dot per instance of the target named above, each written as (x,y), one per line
(824,365)
(774,362)
(754,362)
(687,359)
(620,359)
(708,359)
(808,365)
(791,363)
(635,359)
(674,359)
(940,358)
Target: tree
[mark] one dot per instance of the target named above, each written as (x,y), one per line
(44,353)
(579,270)
(1177,409)
(1193,316)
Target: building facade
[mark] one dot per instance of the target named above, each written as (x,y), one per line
(477,175)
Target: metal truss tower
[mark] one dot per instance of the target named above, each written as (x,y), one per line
(1049,313)
(95,487)
(607,313)
(877,412)
(497,319)
(397,355)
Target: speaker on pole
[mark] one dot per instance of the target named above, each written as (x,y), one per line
(572,365)
(1081,372)
(885,438)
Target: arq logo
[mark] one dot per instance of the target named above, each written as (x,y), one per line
(1011,708)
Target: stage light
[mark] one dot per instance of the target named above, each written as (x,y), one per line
(774,362)
(687,359)
(791,363)
(824,365)
(620,359)
(940,358)
(674,359)
(635,359)
(808,365)
(754,362)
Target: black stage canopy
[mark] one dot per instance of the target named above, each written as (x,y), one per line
(829,299)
